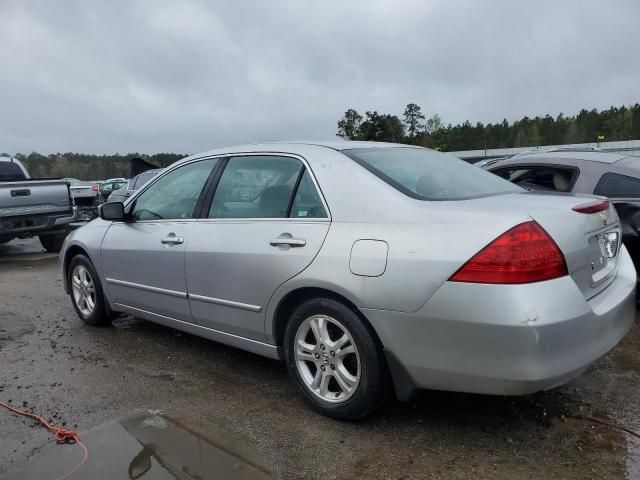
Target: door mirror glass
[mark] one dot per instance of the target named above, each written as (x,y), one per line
(112,211)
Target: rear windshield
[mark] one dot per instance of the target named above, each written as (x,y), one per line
(10,171)
(429,175)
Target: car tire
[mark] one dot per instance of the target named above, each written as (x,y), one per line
(308,357)
(52,243)
(86,292)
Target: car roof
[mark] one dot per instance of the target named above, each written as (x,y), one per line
(589,156)
(297,147)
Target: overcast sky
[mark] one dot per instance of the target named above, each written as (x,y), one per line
(186,76)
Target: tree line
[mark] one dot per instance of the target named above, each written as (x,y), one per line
(89,167)
(616,123)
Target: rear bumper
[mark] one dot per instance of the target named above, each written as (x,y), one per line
(35,224)
(507,340)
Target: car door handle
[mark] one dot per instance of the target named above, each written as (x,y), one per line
(290,241)
(171,239)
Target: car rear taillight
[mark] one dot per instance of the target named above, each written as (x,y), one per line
(94,188)
(592,207)
(524,254)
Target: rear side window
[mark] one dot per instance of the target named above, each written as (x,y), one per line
(540,177)
(256,187)
(429,175)
(307,203)
(614,185)
(10,171)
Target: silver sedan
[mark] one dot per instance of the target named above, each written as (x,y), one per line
(371,269)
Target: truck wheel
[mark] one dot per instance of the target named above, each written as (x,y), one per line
(52,243)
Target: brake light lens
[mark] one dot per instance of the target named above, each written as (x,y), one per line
(94,187)
(524,254)
(592,207)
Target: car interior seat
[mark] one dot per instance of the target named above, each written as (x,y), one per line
(274,201)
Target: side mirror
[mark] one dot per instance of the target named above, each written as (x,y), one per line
(112,211)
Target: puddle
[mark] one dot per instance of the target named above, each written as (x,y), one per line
(149,447)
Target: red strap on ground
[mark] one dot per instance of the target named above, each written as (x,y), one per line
(60,434)
(607,424)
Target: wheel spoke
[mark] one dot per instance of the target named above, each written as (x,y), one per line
(344,378)
(341,342)
(319,328)
(343,352)
(315,384)
(76,281)
(324,385)
(83,275)
(305,356)
(90,287)
(90,303)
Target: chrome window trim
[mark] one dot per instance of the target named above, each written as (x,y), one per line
(179,164)
(306,165)
(147,288)
(220,156)
(261,219)
(226,303)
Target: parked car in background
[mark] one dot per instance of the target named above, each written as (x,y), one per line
(130,187)
(610,175)
(486,163)
(30,207)
(110,186)
(360,262)
(86,197)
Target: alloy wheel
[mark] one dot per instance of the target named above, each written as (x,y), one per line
(84,290)
(327,358)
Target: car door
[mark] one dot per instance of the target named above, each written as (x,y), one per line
(266,222)
(143,259)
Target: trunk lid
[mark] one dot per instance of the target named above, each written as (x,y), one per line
(580,236)
(34,197)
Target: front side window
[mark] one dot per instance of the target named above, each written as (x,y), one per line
(429,175)
(174,196)
(614,185)
(540,177)
(256,187)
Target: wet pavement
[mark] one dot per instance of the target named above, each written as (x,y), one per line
(216,412)
(149,446)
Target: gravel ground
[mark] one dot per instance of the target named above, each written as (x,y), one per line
(87,378)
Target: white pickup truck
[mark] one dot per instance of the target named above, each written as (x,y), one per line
(30,207)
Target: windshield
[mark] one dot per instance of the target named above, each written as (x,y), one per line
(10,171)
(429,175)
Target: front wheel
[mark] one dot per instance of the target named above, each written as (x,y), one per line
(86,292)
(335,360)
